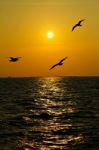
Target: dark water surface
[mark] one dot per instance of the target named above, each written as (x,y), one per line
(49,113)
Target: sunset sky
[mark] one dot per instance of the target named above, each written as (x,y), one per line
(24,25)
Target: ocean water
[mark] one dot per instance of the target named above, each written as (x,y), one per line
(60,113)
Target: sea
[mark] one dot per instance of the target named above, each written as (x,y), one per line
(49,113)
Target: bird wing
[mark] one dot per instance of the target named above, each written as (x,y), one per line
(74,27)
(81,21)
(62,60)
(53,66)
(10,58)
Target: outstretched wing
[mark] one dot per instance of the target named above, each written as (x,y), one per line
(81,21)
(53,66)
(10,58)
(63,60)
(74,27)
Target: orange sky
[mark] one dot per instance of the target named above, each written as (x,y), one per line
(23,32)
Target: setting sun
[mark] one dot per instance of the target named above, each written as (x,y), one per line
(50,35)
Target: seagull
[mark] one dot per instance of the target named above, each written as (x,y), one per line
(78,24)
(14,59)
(59,63)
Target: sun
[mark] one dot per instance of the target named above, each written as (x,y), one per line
(50,35)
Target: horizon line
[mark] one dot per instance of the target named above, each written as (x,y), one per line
(48,76)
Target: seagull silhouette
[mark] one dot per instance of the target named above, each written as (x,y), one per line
(78,24)
(14,59)
(59,63)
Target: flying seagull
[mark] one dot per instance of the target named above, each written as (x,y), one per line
(59,63)
(14,59)
(78,24)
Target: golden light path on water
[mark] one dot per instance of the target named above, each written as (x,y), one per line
(51,87)
(53,122)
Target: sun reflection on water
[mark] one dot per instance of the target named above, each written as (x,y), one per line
(54,142)
(49,113)
(49,126)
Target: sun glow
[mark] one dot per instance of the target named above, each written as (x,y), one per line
(50,35)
